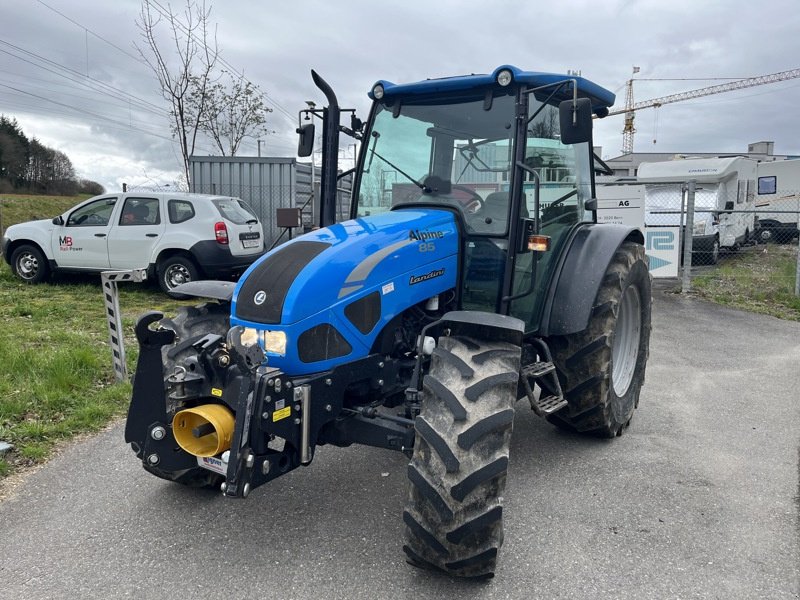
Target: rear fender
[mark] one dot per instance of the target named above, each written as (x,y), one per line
(577,280)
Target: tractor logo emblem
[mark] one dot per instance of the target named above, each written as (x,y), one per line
(260,297)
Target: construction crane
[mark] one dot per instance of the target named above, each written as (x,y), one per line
(631,107)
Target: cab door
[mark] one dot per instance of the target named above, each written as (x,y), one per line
(135,233)
(82,242)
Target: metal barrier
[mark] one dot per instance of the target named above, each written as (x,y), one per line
(111,297)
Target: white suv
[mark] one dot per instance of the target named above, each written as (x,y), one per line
(178,237)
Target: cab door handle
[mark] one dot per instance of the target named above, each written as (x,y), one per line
(99,235)
(151,234)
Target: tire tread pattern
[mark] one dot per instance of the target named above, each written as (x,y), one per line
(461,508)
(584,360)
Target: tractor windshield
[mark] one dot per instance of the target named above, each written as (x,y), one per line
(456,153)
(460,153)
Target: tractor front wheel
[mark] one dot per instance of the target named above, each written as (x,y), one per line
(457,474)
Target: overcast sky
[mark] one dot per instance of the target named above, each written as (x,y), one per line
(56,56)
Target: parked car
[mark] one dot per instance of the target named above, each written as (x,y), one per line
(176,237)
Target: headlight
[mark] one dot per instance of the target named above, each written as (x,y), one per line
(700,227)
(504,77)
(249,336)
(275,342)
(377,91)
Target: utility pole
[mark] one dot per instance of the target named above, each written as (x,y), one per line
(259,148)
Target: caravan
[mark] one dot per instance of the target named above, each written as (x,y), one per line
(778,200)
(724,215)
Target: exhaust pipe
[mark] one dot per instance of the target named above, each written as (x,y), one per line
(204,430)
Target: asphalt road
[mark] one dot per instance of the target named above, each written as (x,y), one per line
(699,499)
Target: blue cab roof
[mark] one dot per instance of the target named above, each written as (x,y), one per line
(600,97)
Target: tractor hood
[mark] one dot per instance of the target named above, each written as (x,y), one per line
(341,283)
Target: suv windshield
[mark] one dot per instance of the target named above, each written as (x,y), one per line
(235,210)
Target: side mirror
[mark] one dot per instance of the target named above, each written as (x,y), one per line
(356,124)
(729,206)
(59,220)
(575,120)
(305,145)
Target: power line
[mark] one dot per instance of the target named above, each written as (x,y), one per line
(97,35)
(103,88)
(84,111)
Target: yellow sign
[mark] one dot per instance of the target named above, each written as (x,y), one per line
(281,414)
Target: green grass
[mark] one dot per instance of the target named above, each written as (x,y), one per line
(15,208)
(56,374)
(760,280)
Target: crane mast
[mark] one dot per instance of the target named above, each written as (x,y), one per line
(631,107)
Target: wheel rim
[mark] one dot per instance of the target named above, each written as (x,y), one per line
(27,265)
(176,275)
(625,350)
(715,251)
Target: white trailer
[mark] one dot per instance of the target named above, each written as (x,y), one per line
(724,215)
(778,200)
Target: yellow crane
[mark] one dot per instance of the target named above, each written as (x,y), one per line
(631,107)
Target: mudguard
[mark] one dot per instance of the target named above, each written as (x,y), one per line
(579,275)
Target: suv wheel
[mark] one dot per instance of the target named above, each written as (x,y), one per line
(175,270)
(29,264)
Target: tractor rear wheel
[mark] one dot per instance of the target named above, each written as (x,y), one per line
(458,470)
(602,368)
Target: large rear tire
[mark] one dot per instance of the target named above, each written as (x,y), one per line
(458,470)
(602,368)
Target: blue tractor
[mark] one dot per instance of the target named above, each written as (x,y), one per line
(471,274)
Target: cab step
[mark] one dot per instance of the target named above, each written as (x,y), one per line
(543,373)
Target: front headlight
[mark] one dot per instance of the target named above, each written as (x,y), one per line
(275,342)
(700,227)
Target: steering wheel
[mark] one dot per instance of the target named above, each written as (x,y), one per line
(473,203)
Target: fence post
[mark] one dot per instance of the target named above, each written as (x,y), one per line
(111,295)
(797,264)
(688,234)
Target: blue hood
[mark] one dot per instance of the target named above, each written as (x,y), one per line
(333,290)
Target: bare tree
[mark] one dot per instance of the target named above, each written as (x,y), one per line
(189,74)
(232,113)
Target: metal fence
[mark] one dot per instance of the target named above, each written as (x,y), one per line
(265,200)
(724,225)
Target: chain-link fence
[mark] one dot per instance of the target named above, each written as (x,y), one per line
(724,226)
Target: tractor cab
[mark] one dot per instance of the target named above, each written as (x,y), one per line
(489,148)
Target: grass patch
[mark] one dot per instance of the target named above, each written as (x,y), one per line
(760,280)
(56,375)
(17,208)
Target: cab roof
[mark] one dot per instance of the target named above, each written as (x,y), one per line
(601,98)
